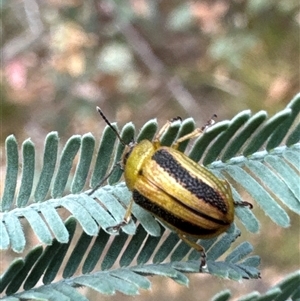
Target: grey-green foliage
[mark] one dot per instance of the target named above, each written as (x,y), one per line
(258,154)
(286,290)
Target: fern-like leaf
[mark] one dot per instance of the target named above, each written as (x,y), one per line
(46,264)
(258,154)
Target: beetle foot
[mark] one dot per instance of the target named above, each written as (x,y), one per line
(203,264)
(244,204)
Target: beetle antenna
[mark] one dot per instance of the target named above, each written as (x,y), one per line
(110,125)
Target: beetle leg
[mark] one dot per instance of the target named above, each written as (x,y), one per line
(165,128)
(198,248)
(127,216)
(244,204)
(126,219)
(161,131)
(195,133)
(105,178)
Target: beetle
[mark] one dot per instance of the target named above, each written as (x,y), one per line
(183,195)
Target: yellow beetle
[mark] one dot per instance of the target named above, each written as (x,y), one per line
(184,195)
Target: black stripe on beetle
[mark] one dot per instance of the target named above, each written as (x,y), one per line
(194,185)
(173,220)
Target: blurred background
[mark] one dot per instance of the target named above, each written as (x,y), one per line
(143,59)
